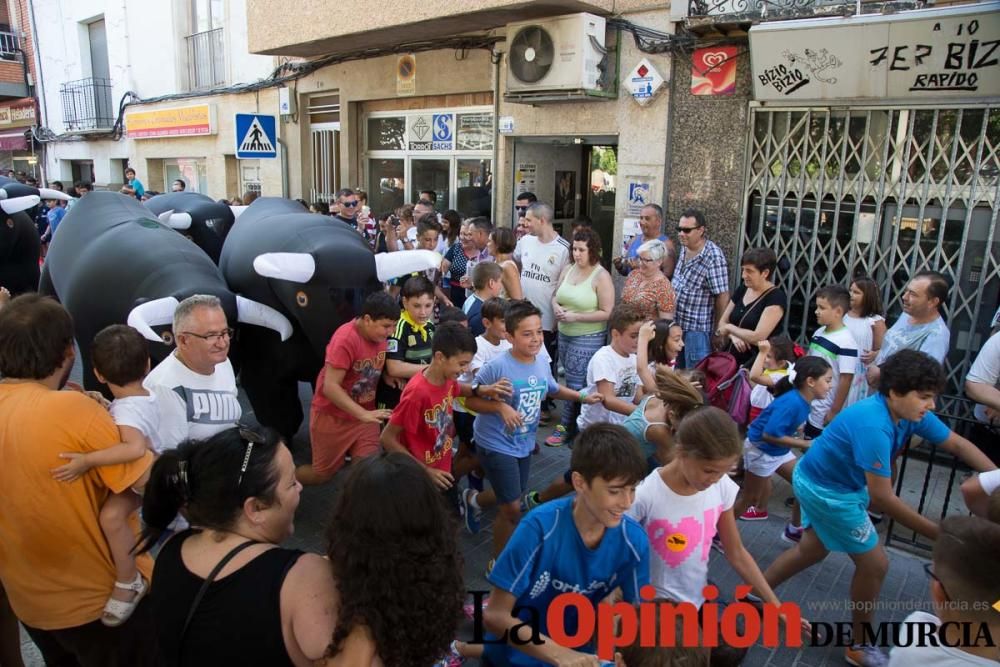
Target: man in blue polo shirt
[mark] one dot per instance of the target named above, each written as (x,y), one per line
(651,224)
(850,465)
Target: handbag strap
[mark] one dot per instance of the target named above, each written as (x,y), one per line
(758,300)
(204,589)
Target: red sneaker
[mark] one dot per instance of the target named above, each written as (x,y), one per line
(754,514)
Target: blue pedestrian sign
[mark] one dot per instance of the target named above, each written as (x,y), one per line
(256,136)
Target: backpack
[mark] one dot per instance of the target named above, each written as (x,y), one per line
(727,385)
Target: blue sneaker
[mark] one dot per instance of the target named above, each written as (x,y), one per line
(470,513)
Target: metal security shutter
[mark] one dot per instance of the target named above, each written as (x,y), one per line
(885,192)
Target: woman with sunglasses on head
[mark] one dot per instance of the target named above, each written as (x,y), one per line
(224,593)
(647,287)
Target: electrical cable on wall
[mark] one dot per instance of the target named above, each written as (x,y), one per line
(286,72)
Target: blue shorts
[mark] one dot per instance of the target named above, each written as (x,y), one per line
(840,518)
(508,475)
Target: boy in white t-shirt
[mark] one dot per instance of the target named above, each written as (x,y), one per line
(146,419)
(963,598)
(612,370)
(833,342)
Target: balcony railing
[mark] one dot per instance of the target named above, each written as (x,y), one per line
(10,45)
(753,9)
(87,105)
(206,59)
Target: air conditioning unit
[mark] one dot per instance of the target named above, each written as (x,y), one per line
(563,53)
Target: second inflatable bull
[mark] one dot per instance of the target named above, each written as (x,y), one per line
(113,262)
(315,271)
(200,218)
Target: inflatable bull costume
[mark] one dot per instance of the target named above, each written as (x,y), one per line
(112,262)
(19,243)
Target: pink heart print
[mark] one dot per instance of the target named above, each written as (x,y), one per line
(673,543)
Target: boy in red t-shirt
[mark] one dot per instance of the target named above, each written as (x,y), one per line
(422,423)
(343,419)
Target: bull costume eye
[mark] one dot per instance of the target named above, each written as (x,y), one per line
(168,337)
(302,299)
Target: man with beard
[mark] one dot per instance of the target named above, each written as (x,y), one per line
(58,575)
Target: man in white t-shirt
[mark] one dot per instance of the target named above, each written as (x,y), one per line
(542,255)
(199,372)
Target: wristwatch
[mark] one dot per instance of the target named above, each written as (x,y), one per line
(475,389)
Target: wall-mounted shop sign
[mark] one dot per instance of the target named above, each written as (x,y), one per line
(20,114)
(951,52)
(198,119)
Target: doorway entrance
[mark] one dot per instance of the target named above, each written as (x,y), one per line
(577,176)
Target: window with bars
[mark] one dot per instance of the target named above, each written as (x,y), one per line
(885,192)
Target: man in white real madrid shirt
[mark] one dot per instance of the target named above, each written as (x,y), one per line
(199,372)
(542,254)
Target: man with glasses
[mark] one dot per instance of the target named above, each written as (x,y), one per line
(651,224)
(199,371)
(521,204)
(701,282)
(346,203)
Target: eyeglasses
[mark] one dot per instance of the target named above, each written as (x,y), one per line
(928,568)
(212,337)
(350,204)
(647,260)
(251,438)
(686,230)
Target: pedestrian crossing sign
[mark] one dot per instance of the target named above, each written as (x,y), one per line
(256,136)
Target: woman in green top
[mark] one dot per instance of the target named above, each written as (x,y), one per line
(582,305)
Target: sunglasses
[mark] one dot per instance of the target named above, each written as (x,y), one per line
(686,230)
(252,438)
(350,204)
(520,209)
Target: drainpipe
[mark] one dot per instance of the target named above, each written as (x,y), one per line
(284,167)
(496,131)
(670,141)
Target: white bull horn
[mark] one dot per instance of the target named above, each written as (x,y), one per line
(394,264)
(298,267)
(152,313)
(49,193)
(180,221)
(19,203)
(238,210)
(252,312)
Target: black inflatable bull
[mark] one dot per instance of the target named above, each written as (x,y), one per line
(113,262)
(201,218)
(19,243)
(314,270)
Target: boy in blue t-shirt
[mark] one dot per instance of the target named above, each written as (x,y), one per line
(505,430)
(486,283)
(850,465)
(579,544)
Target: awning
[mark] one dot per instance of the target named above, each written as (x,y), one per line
(13,140)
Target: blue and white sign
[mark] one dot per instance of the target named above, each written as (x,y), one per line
(256,136)
(443,132)
(638,197)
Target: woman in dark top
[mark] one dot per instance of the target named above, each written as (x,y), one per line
(266,605)
(757,309)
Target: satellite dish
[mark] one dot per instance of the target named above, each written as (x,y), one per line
(531,54)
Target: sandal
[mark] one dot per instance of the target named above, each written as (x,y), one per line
(117,612)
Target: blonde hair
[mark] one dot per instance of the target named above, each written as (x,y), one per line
(708,433)
(677,393)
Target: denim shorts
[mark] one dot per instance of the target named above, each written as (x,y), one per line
(508,475)
(840,518)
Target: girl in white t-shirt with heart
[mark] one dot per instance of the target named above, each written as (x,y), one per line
(683,504)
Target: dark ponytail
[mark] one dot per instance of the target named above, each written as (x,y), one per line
(203,477)
(805,368)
